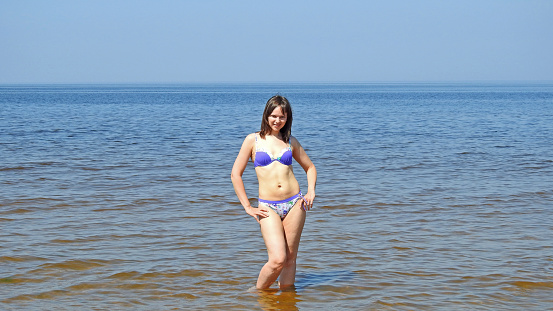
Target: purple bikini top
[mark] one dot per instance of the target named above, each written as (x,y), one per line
(264,158)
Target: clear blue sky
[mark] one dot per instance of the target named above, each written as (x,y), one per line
(160,41)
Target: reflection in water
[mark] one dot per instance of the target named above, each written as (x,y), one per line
(274,299)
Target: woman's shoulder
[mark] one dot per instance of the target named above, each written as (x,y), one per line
(251,136)
(250,139)
(249,142)
(294,141)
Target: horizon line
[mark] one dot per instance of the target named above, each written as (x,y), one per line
(286,82)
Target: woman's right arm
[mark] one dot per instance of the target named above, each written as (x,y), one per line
(236,176)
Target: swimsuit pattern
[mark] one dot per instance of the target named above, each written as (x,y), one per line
(282,208)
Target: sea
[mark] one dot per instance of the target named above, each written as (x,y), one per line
(430,196)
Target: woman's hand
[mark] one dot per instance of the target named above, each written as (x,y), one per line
(308,200)
(257,213)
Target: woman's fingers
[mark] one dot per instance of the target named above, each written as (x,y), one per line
(308,202)
(265,212)
(262,212)
(258,212)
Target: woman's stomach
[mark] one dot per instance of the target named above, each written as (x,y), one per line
(277,184)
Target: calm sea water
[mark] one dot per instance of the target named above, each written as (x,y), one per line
(430,197)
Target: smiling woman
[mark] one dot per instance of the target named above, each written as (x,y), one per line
(282,207)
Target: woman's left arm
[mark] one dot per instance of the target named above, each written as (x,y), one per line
(301,157)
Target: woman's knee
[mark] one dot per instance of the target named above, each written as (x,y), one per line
(278,261)
(290,259)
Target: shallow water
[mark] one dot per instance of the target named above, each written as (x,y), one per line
(430,197)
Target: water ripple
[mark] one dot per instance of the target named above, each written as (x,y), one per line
(429,197)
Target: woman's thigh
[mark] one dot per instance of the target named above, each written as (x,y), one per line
(273,234)
(293,226)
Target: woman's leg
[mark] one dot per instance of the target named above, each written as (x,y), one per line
(273,235)
(293,226)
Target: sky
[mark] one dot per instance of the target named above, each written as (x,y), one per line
(204,41)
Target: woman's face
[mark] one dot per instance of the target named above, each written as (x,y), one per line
(277,119)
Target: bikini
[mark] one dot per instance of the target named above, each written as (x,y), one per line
(264,158)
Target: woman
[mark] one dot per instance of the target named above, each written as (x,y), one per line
(282,207)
